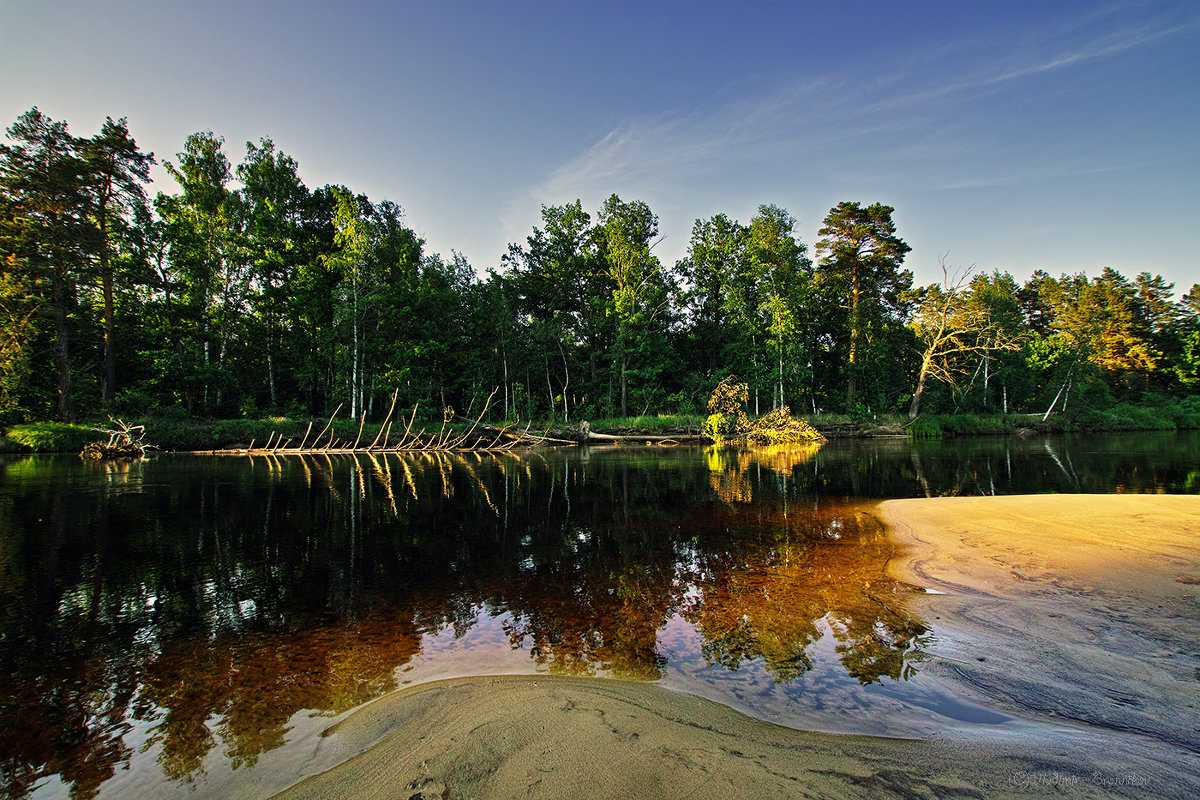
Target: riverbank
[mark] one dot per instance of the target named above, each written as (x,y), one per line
(173,433)
(1063,607)
(1074,612)
(536,737)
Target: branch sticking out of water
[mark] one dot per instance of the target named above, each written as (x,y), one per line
(478,437)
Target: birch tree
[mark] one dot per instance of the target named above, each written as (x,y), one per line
(274,196)
(354,240)
(627,231)
(202,224)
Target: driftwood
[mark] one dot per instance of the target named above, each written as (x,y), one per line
(586,434)
(664,441)
(530,438)
(125,441)
(478,438)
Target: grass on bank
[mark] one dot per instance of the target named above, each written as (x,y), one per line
(181,433)
(1172,414)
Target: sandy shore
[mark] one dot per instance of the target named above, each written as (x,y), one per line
(1077,613)
(1082,607)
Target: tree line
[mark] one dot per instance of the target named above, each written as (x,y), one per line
(246,293)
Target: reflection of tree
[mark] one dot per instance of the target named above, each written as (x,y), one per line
(784,458)
(208,650)
(223,602)
(727,474)
(216,599)
(729,468)
(743,608)
(254,682)
(67,714)
(52,728)
(769,597)
(607,622)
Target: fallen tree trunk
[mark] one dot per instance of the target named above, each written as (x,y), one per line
(479,438)
(608,437)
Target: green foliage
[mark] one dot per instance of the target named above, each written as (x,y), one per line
(1183,411)
(728,422)
(932,426)
(257,296)
(50,437)
(727,418)
(1171,414)
(1166,414)
(1122,418)
(926,427)
(718,428)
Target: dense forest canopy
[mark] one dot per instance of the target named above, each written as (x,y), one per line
(246,293)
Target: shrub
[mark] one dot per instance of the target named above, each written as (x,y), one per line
(728,422)
(780,427)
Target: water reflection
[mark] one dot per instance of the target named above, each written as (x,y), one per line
(189,608)
(749,601)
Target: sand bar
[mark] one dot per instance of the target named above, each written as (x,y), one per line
(1078,607)
(1078,613)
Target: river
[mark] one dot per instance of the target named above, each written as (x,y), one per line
(187,625)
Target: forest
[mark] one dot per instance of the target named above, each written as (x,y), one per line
(245,293)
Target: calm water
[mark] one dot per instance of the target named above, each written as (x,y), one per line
(170,626)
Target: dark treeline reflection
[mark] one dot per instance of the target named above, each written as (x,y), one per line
(194,605)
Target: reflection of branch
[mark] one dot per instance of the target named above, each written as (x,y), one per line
(362,484)
(408,477)
(1054,456)
(307,472)
(328,476)
(444,473)
(384,479)
(916,459)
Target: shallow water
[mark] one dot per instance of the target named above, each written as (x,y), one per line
(187,625)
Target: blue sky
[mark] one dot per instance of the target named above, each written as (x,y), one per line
(1012,135)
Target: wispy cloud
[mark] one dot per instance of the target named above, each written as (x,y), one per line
(812,123)
(1039,173)
(1046,54)
(670,146)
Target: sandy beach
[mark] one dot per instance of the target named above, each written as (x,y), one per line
(1075,613)
(1081,607)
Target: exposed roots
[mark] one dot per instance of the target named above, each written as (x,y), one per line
(125,441)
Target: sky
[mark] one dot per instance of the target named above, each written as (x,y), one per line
(1008,135)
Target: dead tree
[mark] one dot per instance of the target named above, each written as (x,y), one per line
(953,325)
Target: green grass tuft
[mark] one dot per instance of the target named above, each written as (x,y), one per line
(50,437)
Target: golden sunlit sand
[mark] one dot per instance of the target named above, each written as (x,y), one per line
(1078,607)
(1077,613)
